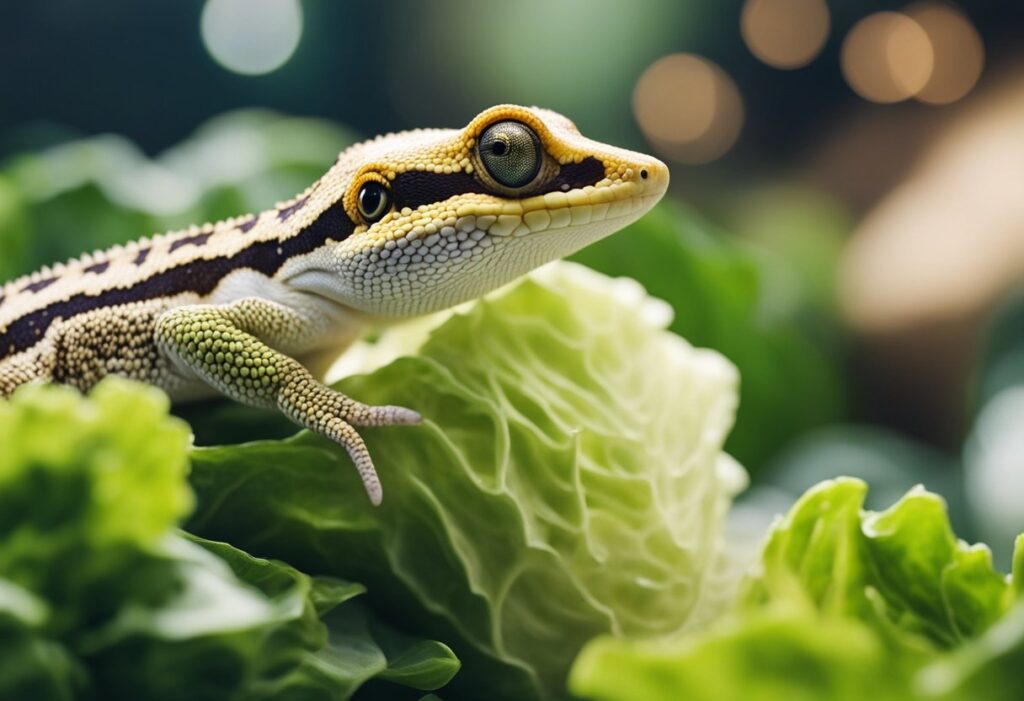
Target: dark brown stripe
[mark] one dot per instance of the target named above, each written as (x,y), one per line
(197,240)
(199,276)
(248,224)
(291,209)
(589,171)
(98,268)
(419,187)
(39,286)
(141,256)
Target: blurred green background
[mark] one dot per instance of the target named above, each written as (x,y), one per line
(845,221)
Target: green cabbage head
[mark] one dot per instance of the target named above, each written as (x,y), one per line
(568,481)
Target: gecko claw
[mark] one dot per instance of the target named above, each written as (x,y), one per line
(375,492)
(400,416)
(345,435)
(383,416)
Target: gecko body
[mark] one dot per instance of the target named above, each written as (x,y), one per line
(257,306)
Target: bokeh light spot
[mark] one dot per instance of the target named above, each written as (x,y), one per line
(251,37)
(688,108)
(959,52)
(887,57)
(785,33)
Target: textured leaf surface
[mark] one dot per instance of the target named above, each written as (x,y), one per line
(720,294)
(848,604)
(568,481)
(101,598)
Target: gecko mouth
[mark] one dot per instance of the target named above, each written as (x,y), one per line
(556,211)
(481,243)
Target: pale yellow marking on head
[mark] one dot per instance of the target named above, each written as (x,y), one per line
(477,234)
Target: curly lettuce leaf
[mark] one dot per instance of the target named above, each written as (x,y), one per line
(569,480)
(98,446)
(848,604)
(721,295)
(87,490)
(771,655)
(902,568)
(988,667)
(101,597)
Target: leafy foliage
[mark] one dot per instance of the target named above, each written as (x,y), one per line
(718,291)
(100,597)
(848,603)
(568,481)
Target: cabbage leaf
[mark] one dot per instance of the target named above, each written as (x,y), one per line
(721,294)
(568,481)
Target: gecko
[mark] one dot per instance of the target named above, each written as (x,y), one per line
(258,306)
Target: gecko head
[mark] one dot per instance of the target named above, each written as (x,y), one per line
(443,216)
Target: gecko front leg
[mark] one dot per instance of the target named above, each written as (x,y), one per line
(227,347)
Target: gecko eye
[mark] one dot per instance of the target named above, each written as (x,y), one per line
(374,201)
(510,151)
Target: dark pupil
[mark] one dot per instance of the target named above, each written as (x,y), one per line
(511,153)
(371,198)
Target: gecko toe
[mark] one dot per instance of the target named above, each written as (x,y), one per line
(383,416)
(400,416)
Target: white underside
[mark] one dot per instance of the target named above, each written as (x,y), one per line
(458,263)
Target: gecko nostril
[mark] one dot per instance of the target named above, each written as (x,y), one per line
(643,173)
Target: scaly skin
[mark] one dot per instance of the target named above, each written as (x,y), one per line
(254,307)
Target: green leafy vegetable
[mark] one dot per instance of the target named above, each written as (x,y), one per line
(87,490)
(101,598)
(719,293)
(848,604)
(773,655)
(335,661)
(568,481)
